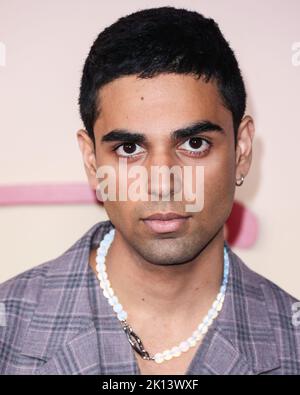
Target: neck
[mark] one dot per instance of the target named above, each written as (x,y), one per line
(150,291)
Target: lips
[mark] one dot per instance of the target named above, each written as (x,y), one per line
(165,222)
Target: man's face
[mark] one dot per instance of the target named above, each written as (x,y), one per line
(156,107)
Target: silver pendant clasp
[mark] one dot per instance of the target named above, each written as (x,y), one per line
(135,341)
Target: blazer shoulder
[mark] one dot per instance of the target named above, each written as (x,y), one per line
(284,313)
(273,293)
(19,298)
(271,309)
(17,287)
(30,281)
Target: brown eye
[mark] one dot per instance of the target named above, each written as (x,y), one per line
(129,149)
(195,142)
(195,145)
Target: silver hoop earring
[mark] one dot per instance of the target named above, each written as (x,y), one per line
(240,181)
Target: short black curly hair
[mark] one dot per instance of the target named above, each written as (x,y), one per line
(161,40)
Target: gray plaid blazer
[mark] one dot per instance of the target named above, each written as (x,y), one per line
(58,322)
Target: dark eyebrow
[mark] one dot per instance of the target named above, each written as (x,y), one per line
(133,137)
(124,135)
(195,128)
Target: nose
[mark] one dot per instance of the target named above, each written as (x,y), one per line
(164,176)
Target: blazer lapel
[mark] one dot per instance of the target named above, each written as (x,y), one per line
(241,340)
(79,355)
(73,329)
(218,356)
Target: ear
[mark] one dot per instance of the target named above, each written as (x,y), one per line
(243,149)
(86,146)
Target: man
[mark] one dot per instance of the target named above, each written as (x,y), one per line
(160,87)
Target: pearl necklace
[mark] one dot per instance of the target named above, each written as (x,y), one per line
(133,339)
